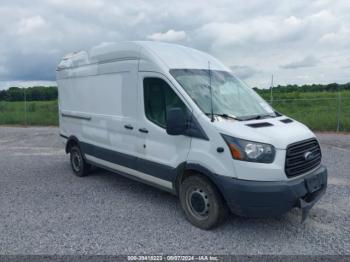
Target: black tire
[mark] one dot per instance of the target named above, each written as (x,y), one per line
(202,203)
(79,166)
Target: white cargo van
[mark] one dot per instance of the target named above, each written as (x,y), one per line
(176,118)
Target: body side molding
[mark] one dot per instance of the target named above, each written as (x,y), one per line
(167,185)
(81,117)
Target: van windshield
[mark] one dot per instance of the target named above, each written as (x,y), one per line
(231,97)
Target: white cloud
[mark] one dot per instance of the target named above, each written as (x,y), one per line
(244,72)
(308,61)
(30,25)
(169,36)
(339,37)
(255,37)
(267,29)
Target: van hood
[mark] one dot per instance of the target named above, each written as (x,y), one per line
(270,130)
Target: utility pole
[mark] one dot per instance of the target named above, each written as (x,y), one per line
(25,107)
(338,109)
(271,87)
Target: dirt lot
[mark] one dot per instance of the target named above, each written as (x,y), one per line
(45,209)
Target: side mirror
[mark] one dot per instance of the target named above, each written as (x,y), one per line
(175,121)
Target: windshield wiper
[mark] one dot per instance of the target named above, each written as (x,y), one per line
(225,116)
(257,117)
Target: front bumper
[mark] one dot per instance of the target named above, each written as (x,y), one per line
(266,199)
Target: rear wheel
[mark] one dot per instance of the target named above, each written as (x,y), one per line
(78,164)
(202,203)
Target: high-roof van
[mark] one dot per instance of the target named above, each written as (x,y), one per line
(178,119)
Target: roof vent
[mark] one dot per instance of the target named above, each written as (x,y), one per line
(286,121)
(258,125)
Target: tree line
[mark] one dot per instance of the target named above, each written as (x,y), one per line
(35,93)
(333,87)
(43,93)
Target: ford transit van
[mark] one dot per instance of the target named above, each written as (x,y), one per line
(177,119)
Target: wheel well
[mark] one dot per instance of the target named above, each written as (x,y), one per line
(192,172)
(72,141)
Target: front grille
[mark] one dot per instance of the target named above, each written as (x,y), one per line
(302,157)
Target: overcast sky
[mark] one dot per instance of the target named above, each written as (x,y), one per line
(298,41)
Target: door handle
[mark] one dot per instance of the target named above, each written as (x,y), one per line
(129,127)
(143,130)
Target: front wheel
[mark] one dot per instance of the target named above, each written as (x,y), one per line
(78,163)
(202,203)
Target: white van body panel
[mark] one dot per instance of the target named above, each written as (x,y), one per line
(157,145)
(102,111)
(95,85)
(279,134)
(176,56)
(206,155)
(96,92)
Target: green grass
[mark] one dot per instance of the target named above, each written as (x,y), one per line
(318,110)
(42,113)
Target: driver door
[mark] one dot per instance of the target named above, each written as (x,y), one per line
(161,153)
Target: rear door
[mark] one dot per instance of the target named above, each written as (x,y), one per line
(160,153)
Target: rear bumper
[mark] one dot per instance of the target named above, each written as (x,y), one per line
(263,199)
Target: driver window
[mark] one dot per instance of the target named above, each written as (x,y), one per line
(158,97)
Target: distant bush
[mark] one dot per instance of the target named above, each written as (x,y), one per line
(295,89)
(35,93)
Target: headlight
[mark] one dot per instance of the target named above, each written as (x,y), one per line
(246,150)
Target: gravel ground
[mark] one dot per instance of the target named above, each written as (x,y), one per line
(45,209)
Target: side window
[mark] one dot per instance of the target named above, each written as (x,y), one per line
(158,97)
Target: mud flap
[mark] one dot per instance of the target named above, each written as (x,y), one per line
(307,202)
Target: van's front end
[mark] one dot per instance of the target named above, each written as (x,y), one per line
(277,169)
(262,162)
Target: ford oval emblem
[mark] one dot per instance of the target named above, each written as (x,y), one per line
(308,156)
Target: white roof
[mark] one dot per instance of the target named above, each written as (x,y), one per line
(162,54)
